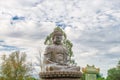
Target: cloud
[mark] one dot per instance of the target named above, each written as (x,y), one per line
(92,26)
(115,49)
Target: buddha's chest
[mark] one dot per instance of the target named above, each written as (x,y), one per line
(58,49)
(59,53)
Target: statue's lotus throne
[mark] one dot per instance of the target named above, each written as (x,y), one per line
(60,75)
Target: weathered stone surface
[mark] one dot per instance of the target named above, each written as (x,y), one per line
(65,74)
(63,79)
(90,72)
(91,69)
(90,76)
(61,75)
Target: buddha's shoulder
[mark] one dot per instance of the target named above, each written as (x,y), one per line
(50,46)
(55,46)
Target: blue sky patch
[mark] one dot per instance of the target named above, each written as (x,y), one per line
(9,48)
(1,40)
(18,18)
(61,24)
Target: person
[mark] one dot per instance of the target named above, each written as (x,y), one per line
(56,56)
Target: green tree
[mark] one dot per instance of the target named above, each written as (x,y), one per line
(114,73)
(14,67)
(100,77)
(83,76)
(118,66)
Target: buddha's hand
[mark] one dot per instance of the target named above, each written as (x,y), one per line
(63,64)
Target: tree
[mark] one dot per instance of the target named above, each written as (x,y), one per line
(83,76)
(14,67)
(100,77)
(114,73)
(118,66)
(40,60)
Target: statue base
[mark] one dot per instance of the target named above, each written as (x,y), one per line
(62,79)
(60,75)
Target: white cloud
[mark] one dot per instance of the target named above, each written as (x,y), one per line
(92,26)
(115,49)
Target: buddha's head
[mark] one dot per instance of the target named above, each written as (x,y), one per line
(57,36)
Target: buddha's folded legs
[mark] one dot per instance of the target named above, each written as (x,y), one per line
(62,68)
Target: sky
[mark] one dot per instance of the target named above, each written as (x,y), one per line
(93,26)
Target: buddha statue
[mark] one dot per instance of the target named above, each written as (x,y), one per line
(56,56)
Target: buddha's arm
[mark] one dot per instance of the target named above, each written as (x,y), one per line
(67,57)
(47,56)
(47,59)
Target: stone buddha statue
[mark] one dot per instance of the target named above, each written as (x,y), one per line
(56,56)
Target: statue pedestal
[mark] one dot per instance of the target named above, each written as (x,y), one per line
(60,75)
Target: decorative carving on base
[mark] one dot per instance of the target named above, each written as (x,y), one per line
(60,75)
(63,79)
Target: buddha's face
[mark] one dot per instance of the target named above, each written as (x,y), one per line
(57,39)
